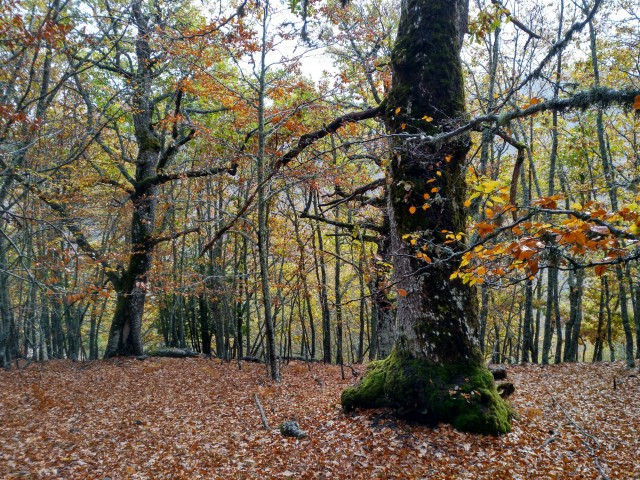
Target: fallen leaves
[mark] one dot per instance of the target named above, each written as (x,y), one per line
(195,418)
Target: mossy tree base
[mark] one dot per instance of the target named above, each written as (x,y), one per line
(462,395)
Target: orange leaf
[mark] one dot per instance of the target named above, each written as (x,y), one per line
(412,209)
(402,292)
(636,102)
(485,228)
(600,269)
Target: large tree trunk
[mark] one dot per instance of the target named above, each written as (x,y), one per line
(125,334)
(435,371)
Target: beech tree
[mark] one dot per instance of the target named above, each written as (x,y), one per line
(436,369)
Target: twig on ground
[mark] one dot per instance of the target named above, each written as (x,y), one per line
(263,417)
(586,434)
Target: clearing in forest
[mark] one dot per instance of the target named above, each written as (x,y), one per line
(196,418)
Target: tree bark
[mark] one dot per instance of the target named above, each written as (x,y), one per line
(125,333)
(438,345)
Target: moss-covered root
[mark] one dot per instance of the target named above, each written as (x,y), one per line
(462,395)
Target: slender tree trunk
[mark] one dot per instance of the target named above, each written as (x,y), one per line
(386,327)
(6,309)
(324,298)
(527,340)
(607,304)
(572,327)
(599,343)
(636,314)
(558,321)
(361,290)
(263,252)
(552,279)
(609,174)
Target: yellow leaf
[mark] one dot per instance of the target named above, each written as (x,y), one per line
(453,275)
(398,110)
(427,118)
(447,158)
(439,173)
(467,203)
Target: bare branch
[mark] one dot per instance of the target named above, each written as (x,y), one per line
(173,236)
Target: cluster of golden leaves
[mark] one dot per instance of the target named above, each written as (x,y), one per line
(196,418)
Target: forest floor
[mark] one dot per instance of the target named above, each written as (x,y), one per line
(196,418)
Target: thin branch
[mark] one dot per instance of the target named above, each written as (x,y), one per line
(168,177)
(263,417)
(173,236)
(358,191)
(310,138)
(517,22)
(303,142)
(348,226)
(554,50)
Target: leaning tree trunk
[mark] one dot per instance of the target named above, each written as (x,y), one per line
(435,371)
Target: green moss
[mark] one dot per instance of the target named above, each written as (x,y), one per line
(149,142)
(368,393)
(463,395)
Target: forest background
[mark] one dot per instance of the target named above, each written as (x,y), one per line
(228,226)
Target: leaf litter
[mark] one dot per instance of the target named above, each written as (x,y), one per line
(196,419)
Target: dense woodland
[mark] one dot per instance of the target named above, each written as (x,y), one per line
(459,187)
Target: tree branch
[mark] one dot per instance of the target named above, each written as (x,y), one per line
(358,191)
(156,240)
(517,22)
(600,96)
(303,142)
(310,138)
(168,177)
